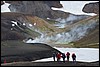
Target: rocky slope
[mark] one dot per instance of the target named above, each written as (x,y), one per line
(17,51)
(41,9)
(74,32)
(92,38)
(12,27)
(22,26)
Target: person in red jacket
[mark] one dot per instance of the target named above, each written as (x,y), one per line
(58,56)
(68,56)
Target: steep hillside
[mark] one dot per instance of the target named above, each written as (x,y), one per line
(40,9)
(25,25)
(18,51)
(92,37)
(72,32)
(90,40)
(13,24)
(42,25)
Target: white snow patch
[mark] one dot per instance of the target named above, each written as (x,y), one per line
(11,28)
(34,23)
(82,54)
(24,24)
(48,18)
(30,25)
(14,22)
(4,7)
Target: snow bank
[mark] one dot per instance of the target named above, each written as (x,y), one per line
(82,54)
(4,7)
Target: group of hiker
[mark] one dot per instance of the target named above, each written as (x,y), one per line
(59,55)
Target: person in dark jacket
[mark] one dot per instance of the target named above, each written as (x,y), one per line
(68,56)
(63,56)
(54,56)
(74,57)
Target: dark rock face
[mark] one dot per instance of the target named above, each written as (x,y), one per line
(13,2)
(2,2)
(91,8)
(53,4)
(41,9)
(49,3)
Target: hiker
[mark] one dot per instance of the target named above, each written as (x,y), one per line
(68,56)
(74,57)
(58,56)
(63,56)
(54,56)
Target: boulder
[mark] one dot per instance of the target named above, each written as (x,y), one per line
(91,8)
